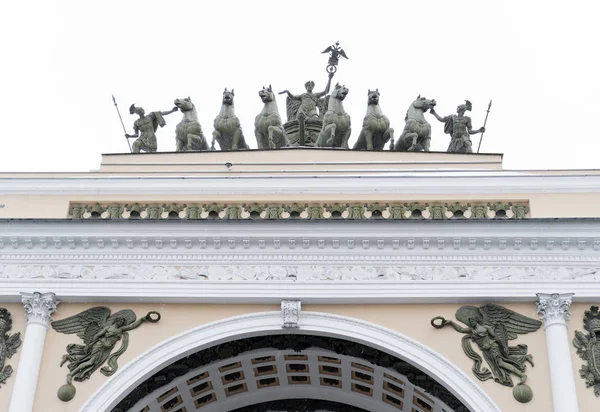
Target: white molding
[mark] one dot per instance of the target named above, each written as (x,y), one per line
(437,366)
(500,240)
(429,182)
(341,262)
(272,292)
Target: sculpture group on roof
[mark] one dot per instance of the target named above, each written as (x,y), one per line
(315,119)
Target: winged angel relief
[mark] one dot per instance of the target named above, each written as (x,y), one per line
(491,327)
(100,332)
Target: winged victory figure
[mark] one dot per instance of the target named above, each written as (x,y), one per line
(100,332)
(8,344)
(491,327)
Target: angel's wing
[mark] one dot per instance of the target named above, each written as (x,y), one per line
(464,313)
(327,50)
(85,324)
(12,343)
(343,53)
(126,314)
(291,107)
(513,322)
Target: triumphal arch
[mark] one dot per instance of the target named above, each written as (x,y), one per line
(302,275)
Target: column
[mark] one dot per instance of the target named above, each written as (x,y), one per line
(38,308)
(554,310)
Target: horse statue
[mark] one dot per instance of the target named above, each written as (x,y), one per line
(376,131)
(228,131)
(336,122)
(267,126)
(417,131)
(188,133)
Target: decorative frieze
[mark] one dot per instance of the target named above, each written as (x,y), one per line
(308,272)
(414,210)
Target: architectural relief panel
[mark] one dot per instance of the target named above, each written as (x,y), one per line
(414,210)
(300,272)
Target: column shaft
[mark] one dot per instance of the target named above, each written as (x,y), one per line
(38,308)
(554,309)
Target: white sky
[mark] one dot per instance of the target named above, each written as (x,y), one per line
(62,60)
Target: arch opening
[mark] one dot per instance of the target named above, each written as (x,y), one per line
(380,365)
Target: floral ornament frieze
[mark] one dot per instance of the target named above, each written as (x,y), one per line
(299,272)
(273,211)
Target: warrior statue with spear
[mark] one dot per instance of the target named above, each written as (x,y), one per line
(459,127)
(144,128)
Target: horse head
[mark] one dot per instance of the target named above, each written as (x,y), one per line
(185,104)
(339,92)
(423,103)
(266,94)
(228,97)
(373,96)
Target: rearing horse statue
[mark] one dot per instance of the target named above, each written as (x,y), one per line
(228,131)
(417,131)
(267,126)
(336,122)
(188,133)
(376,130)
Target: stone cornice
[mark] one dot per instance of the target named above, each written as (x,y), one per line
(410,182)
(481,240)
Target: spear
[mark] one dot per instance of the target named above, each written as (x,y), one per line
(122,124)
(484,123)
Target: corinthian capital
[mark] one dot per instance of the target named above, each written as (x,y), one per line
(39,307)
(554,308)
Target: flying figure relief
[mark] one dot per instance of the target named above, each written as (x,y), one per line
(100,332)
(490,327)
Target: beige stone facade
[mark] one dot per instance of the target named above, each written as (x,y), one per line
(393,271)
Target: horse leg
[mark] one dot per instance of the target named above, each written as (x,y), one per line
(426,143)
(368,135)
(237,140)
(388,135)
(259,139)
(413,137)
(179,145)
(331,132)
(216,137)
(193,142)
(346,137)
(271,132)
